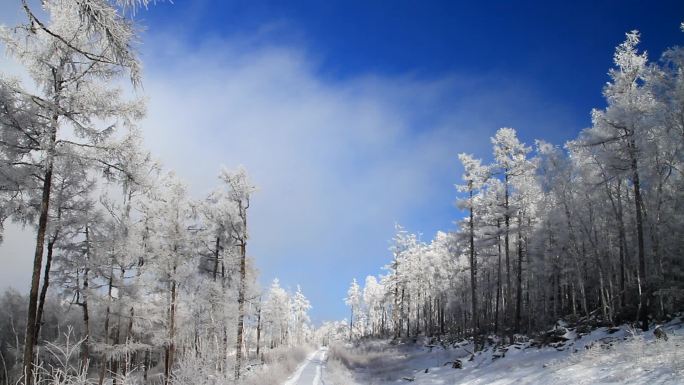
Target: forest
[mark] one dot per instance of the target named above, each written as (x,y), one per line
(130,273)
(135,281)
(589,231)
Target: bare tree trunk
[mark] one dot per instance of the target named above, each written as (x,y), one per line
(638,204)
(498,277)
(395,309)
(146,365)
(241,310)
(44,288)
(401,313)
(258,330)
(117,337)
(225,347)
(129,338)
(442,326)
(30,337)
(580,278)
(86,323)
(408,312)
(216,257)
(103,362)
(622,240)
(85,352)
(240,235)
(507,219)
(473,269)
(623,248)
(518,299)
(171,348)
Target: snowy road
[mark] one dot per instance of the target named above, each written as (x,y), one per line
(310,372)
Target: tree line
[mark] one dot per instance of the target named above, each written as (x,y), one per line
(591,232)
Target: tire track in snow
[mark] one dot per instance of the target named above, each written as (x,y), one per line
(310,372)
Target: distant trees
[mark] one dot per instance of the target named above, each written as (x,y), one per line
(285,316)
(574,232)
(301,323)
(373,298)
(353,300)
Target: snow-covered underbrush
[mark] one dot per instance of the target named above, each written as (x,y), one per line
(336,373)
(367,354)
(619,355)
(61,364)
(637,360)
(382,361)
(270,368)
(277,364)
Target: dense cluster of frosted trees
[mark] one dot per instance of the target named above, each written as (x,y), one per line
(593,231)
(147,278)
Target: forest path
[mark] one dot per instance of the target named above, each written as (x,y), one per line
(311,371)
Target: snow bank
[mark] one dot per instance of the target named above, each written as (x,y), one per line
(606,355)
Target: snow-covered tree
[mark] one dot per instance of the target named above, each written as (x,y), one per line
(276,313)
(474,177)
(374,297)
(75,109)
(239,192)
(300,315)
(354,300)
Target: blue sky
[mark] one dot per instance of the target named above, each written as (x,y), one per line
(560,48)
(349,115)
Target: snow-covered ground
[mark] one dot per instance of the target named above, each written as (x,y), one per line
(604,356)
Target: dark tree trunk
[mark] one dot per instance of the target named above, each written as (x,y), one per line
(103,363)
(86,323)
(146,365)
(241,317)
(498,277)
(622,247)
(44,288)
(242,208)
(30,337)
(473,269)
(216,257)
(258,330)
(85,352)
(638,204)
(507,219)
(171,348)
(395,312)
(518,299)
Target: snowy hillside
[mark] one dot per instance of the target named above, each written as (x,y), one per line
(605,356)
